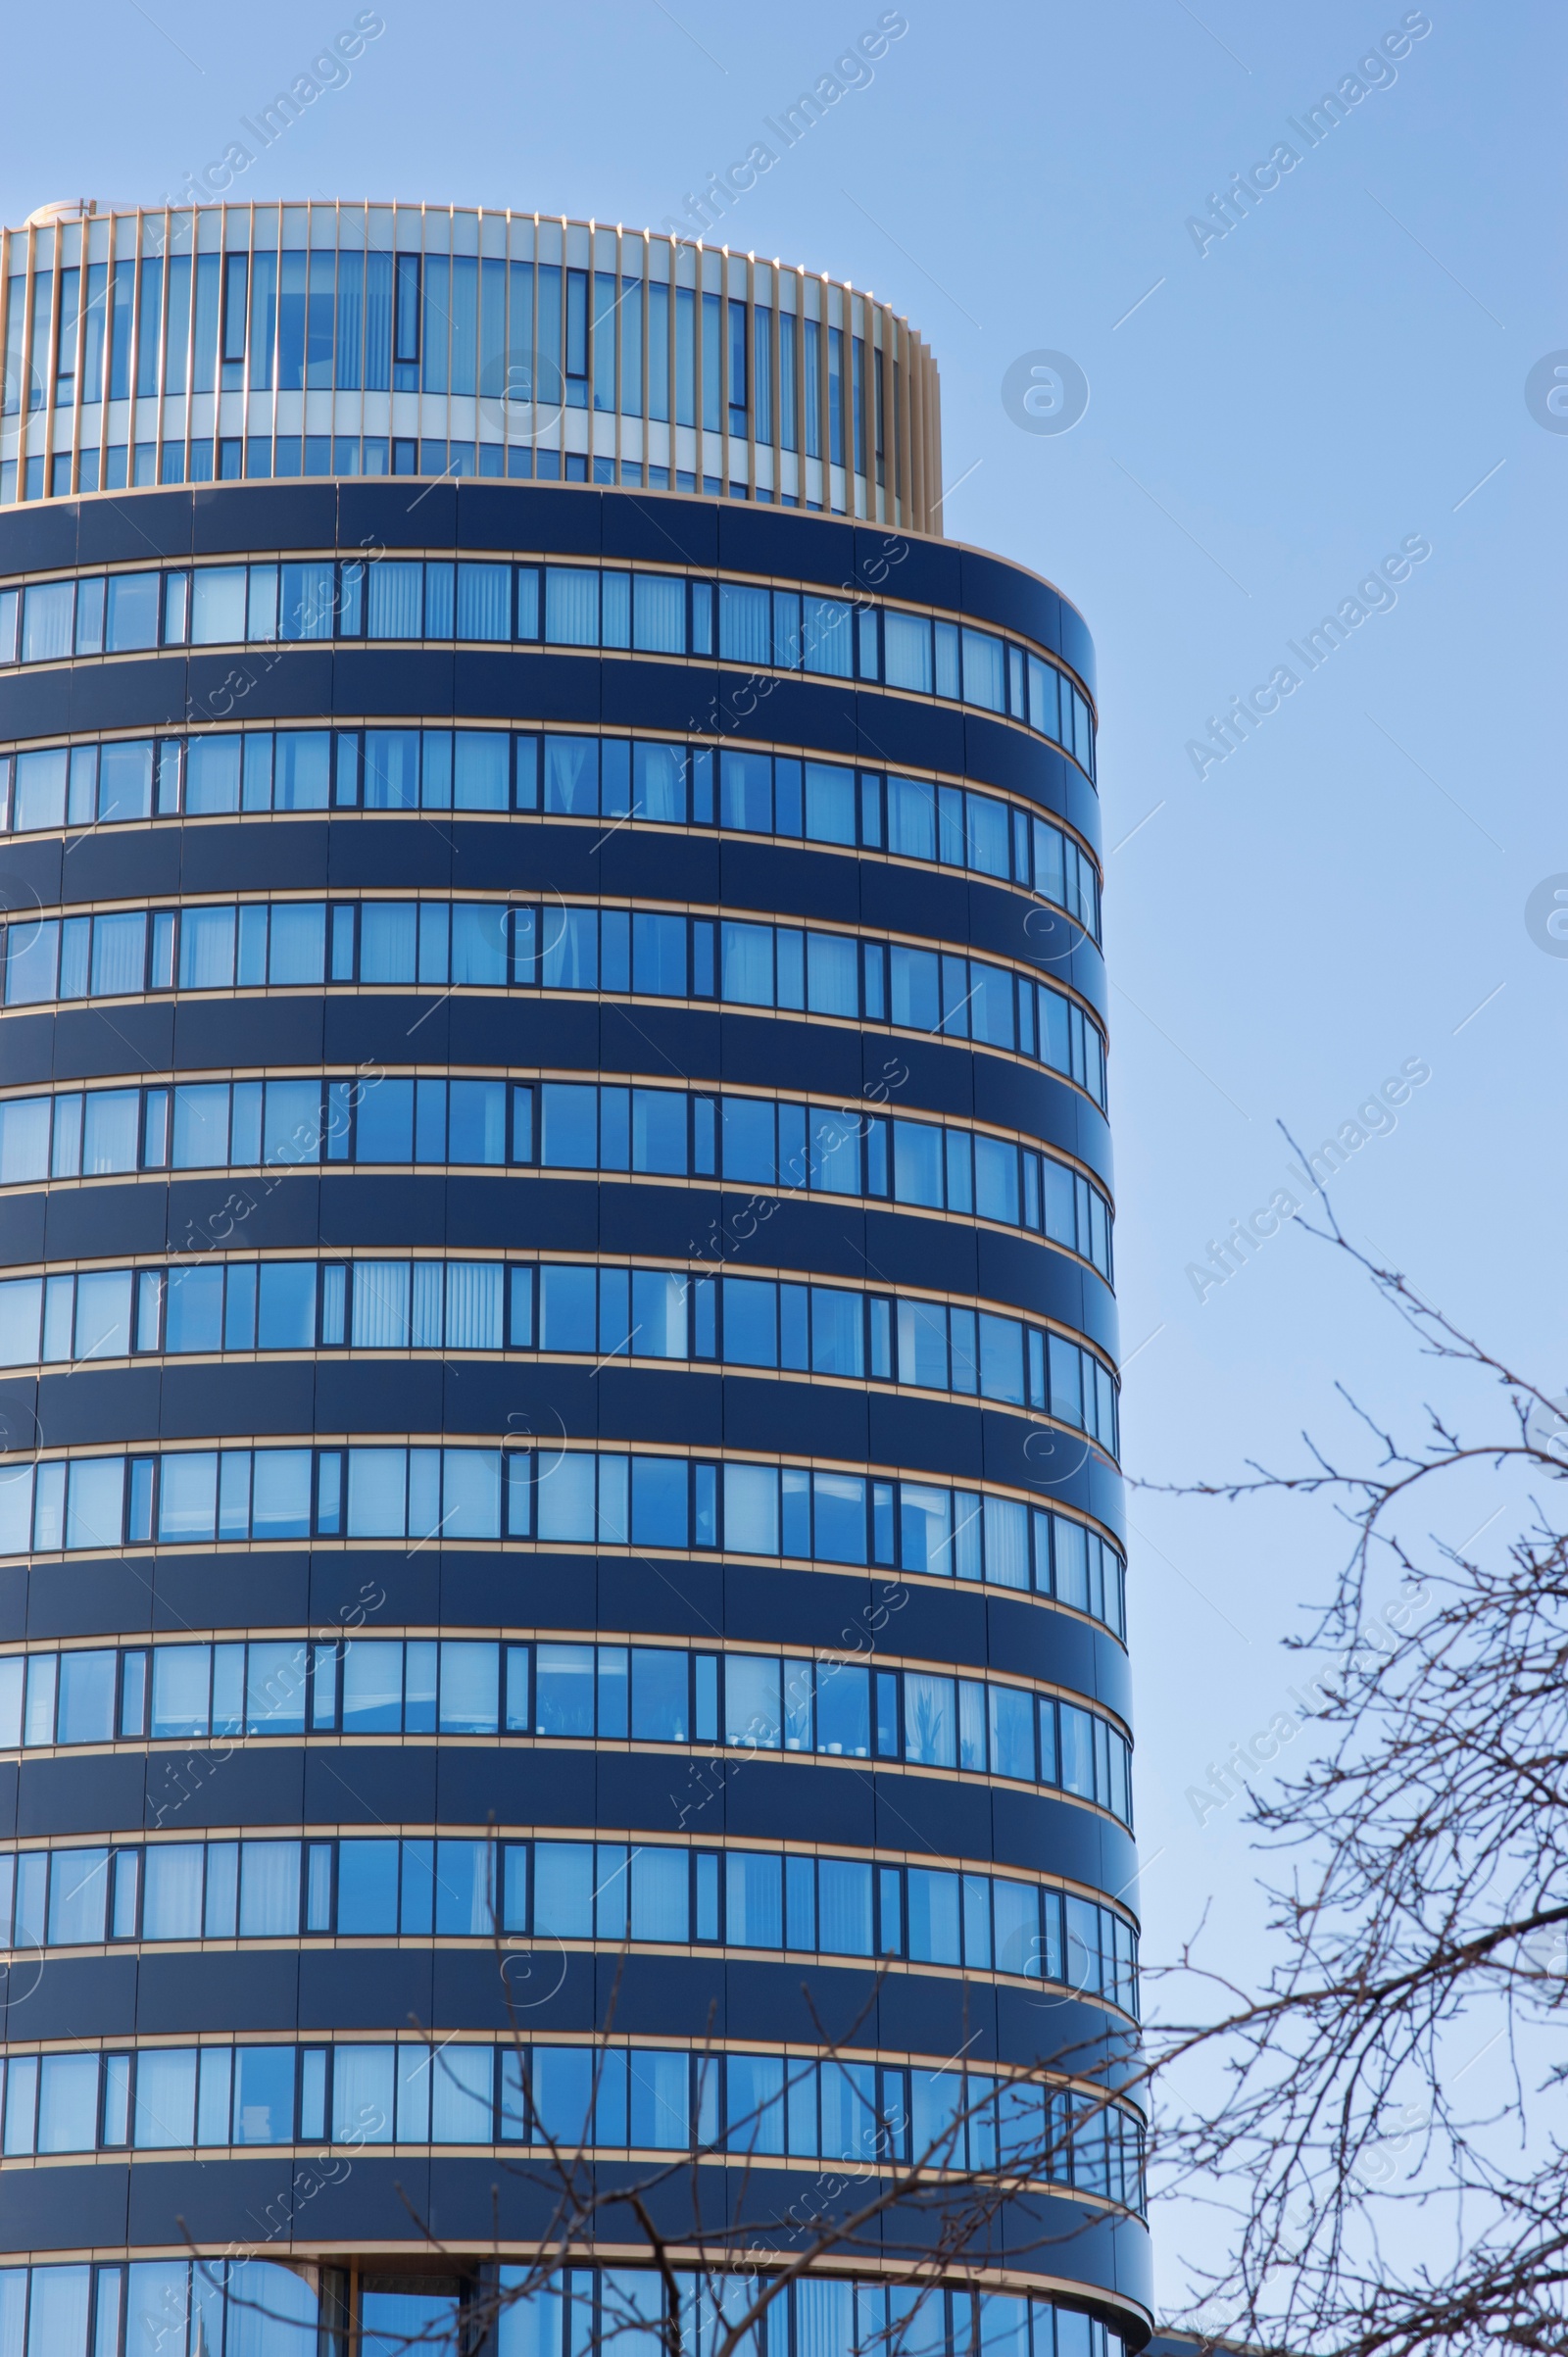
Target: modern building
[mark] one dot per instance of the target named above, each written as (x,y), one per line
(562,1575)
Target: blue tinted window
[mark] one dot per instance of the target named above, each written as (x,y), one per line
(568,1126)
(658,1508)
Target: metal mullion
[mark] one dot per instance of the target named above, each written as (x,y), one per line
(798,373)
(331,387)
(591,346)
(48,362)
(750,383)
(645,299)
(776,392)
(724,371)
(8,245)
(868,405)
(160,396)
(824,418)
(876,352)
(901,429)
(671,350)
(81,337)
(275,355)
(699,385)
(888,487)
(620,346)
(919,470)
(190,347)
(245,336)
(907,424)
(563,438)
(914,392)
(859,418)
(48,372)
(29,331)
(533,358)
(108,355)
(898,369)
(891,411)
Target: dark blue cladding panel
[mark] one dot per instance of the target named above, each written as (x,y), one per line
(161,692)
(72,1794)
(792,712)
(365,1988)
(910,568)
(89,1045)
(527,516)
(715,1798)
(253,858)
(375,682)
(39,538)
(993,591)
(23,1227)
(1078,648)
(31,873)
(271,515)
(659,531)
(133,531)
(249,1991)
(659,696)
(118,865)
(34,703)
(754,540)
(66,2209)
(387,1785)
(382,515)
(70,1996)
(172,2200)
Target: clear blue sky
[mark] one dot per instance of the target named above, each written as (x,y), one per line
(1332,378)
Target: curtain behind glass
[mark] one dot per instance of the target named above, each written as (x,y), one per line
(829,637)
(381,1304)
(211,775)
(825,2317)
(907,651)
(394,601)
(984,680)
(474,1292)
(298,948)
(481,779)
(119,951)
(310,601)
(303,769)
(571,774)
(747,964)
(205,949)
(571,605)
(268,1890)
(660,787)
(844,1906)
(388,938)
(41,790)
(832,974)
(744,624)
(59,2322)
(46,620)
(659,613)
(484,600)
(125,782)
(912,818)
(391,769)
(478,943)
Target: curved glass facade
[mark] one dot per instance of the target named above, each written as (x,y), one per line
(559,1414)
(210,343)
